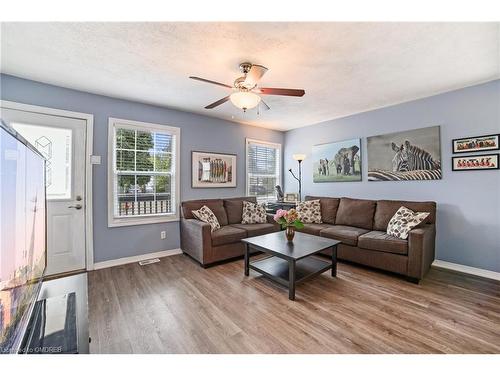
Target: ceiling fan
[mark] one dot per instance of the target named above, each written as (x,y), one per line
(246,93)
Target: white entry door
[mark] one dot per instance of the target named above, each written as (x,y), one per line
(62,141)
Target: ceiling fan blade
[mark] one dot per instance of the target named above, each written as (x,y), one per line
(209,81)
(267,108)
(217,103)
(275,91)
(254,75)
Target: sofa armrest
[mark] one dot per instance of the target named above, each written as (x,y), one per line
(421,250)
(196,237)
(270,219)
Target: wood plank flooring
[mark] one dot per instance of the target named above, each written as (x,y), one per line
(176,306)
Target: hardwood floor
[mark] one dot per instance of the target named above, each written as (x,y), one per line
(176,306)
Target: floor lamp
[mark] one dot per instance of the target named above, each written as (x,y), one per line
(299,158)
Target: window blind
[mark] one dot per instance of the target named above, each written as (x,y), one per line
(263,169)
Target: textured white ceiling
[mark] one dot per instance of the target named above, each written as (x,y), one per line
(345,68)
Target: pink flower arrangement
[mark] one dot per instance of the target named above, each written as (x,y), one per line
(288,218)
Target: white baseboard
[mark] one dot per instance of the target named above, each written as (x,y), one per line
(137,258)
(467,269)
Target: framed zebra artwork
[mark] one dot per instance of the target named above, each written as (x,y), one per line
(475,144)
(405,156)
(213,170)
(337,161)
(475,163)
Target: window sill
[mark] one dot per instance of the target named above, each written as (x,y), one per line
(130,221)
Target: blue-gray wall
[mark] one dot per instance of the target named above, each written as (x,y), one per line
(468,202)
(197,133)
(468,222)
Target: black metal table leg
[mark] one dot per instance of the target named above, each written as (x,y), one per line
(334,261)
(247,260)
(291,279)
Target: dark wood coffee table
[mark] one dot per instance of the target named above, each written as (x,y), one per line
(290,262)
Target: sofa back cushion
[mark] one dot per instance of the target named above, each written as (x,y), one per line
(329,207)
(386,210)
(356,213)
(216,205)
(234,208)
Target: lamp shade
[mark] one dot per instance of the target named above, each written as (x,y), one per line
(244,99)
(299,157)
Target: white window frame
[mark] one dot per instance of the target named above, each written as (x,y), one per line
(264,143)
(114,221)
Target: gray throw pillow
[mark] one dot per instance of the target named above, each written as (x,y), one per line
(310,211)
(253,213)
(206,215)
(403,221)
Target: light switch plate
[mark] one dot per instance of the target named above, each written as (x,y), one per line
(95,159)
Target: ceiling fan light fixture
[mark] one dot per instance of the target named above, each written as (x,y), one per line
(245,89)
(245,99)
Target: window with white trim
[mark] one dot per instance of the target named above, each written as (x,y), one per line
(143,162)
(263,169)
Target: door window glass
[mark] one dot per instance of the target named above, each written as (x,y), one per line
(55,144)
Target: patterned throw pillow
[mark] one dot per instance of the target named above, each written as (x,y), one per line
(403,221)
(206,215)
(310,211)
(253,213)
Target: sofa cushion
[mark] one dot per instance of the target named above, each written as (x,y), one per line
(356,213)
(386,210)
(348,235)
(329,207)
(381,241)
(310,211)
(403,221)
(206,215)
(227,235)
(257,229)
(234,208)
(313,229)
(216,205)
(253,213)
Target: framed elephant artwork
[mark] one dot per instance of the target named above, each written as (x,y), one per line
(337,161)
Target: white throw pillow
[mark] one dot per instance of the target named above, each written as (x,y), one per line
(206,215)
(310,212)
(253,213)
(403,221)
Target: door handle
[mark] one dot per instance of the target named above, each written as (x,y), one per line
(78,206)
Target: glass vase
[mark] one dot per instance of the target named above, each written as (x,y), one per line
(290,233)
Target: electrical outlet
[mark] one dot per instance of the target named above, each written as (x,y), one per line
(163,234)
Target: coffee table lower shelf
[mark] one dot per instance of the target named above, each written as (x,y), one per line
(278,269)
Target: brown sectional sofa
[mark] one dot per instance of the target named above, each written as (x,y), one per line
(361,226)
(211,247)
